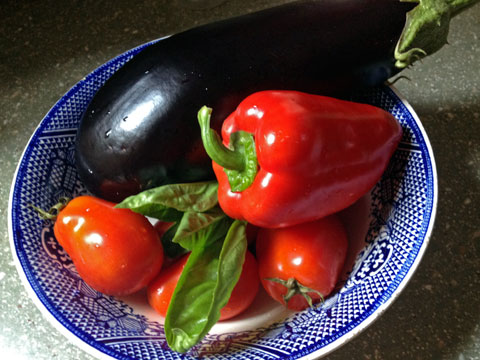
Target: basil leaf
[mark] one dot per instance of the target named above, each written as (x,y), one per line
(168,202)
(140,205)
(215,231)
(192,224)
(205,286)
(170,248)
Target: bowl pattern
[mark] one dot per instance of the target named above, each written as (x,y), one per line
(402,212)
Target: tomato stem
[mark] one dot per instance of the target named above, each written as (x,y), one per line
(294,287)
(53,212)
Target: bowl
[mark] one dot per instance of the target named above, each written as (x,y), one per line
(389,229)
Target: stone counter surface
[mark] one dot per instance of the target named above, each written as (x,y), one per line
(48,46)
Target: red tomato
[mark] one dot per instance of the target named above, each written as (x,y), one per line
(162,227)
(160,290)
(115,251)
(312,253)
(245,291)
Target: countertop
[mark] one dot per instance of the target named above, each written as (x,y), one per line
(48,46)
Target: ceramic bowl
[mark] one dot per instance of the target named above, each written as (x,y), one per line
(389,230)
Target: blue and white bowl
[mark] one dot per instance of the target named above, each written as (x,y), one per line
(389,230)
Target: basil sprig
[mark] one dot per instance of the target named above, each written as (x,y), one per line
(217,246)
(193,225)
(169,202)
(208,278)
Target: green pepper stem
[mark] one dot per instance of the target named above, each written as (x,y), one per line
(223,156)
(239,162)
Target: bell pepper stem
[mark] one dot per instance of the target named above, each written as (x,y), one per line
(223,156)
(239,162)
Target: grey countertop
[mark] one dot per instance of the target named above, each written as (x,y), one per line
(47,46)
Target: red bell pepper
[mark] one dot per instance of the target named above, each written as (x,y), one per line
(288,157)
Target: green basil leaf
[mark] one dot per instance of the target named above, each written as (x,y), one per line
(215,231)
(193,224)
(168,202)
(171,248)
(207,281)
(158,211)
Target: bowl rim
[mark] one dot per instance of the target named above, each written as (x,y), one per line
(62,328)
(84,344)
(337,343)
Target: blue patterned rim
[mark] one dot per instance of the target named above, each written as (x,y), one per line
(403,206)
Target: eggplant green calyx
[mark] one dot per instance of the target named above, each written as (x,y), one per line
(239,161)
(426,29)
(296,288)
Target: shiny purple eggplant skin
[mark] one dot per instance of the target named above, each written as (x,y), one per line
(140,130)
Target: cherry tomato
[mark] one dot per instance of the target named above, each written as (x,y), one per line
(160,290)
(115,251)
(310,254)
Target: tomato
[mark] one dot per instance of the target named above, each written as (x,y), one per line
(310,254)
(115,251)
(162,227)
(160,290)
(244,291)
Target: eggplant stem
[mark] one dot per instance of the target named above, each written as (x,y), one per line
(426,29)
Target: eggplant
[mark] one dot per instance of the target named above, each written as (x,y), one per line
(140,130)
